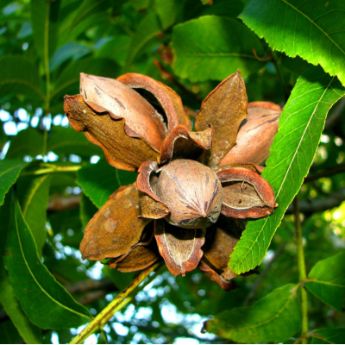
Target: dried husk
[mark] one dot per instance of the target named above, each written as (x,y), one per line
(151,206)
(121,151)
(255,137)
(223,110)
(116,228)
(182,143)
(139,258)
(121,102)
(245,194)
(168,99)
(180,249)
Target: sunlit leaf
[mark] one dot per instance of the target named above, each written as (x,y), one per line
(291,156)
(273,319)
(326,281)
(312,29)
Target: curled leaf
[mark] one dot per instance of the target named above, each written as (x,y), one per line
(115,228)
(120,101)
(164,97)
(121,151)
(223,110)
(180,249)
(182,143)
(255,137)
(245,194)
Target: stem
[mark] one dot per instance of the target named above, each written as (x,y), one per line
(302,272)
(46,109)
(50,169)
(119,302)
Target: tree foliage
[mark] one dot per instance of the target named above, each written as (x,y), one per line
(52,180)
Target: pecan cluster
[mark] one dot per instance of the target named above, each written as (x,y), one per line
(193,189)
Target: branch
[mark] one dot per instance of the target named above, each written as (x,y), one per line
(302,272)
(326,173)
(320,204)
(62,203)
(119,302)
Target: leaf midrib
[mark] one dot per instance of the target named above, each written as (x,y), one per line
(315,25)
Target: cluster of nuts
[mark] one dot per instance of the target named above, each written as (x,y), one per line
(194,188)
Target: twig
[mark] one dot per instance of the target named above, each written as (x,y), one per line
(51,168)
(326,173)
(302,273)
(119,302)
(320,204)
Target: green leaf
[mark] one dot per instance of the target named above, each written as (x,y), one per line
(168,11)
(328,336)
(20,75)
(44,21)
(272,319)
(35,195)
(312,29)
(27,142)
(8,301)
(65,141)
(9,173)
(99,189)
(212,47)
(291,156)
(147,29)
(46,303)
(326,281)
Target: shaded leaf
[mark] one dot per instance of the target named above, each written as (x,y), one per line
(146,30)
(326,281)
(313,29)
(9,173)
(46,303)
(291,155)
(65,141)
(99,189)
(328,336)
(44,19)
(34,201)
(272,319)
(168,11)
(212,47)
(67,82)
(24,327)
(27,142)
(21,75)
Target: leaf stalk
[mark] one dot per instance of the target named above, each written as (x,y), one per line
(118,303)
